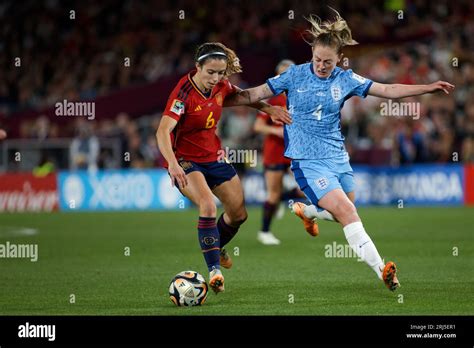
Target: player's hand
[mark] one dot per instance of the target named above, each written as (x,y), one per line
(3,134)
(177,175)
(279,115)
(441,86)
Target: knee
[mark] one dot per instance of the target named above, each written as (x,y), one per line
(207,207)
(274,197)
(345,213)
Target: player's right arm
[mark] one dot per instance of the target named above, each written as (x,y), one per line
(167,124)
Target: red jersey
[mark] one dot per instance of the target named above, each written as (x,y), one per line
(274,146)
(194,137)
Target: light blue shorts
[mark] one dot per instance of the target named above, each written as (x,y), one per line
(318,177)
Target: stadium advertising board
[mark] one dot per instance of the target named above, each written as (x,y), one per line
(24,192)
(413,185)
(118,190)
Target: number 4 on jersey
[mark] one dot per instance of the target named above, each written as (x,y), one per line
(318,112)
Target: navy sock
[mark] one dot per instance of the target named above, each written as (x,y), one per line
(226,232)
(268,212)
(209,241)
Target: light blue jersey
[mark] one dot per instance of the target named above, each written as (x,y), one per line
(314,140)
(315,106)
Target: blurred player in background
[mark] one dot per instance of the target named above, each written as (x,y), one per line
(275,164)
(316,92)
(187,139)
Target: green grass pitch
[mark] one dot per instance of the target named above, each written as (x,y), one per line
(83,254)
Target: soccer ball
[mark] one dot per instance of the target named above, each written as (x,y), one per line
(188,288)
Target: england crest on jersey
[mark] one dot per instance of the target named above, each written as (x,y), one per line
(336,93)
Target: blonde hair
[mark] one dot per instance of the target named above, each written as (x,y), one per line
(216,50)
(336,34)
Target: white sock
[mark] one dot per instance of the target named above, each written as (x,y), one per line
(361,243)
(311,212)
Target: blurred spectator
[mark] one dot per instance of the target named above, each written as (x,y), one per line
(468,132)
(45,166)
(411,142)
(84,150)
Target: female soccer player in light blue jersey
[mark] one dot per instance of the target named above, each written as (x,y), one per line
(316,92)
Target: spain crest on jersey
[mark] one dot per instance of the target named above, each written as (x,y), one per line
(219,99)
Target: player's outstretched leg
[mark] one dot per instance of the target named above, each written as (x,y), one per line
(200,194)
(345,212)
(232,197)
(310,225)
(209,241)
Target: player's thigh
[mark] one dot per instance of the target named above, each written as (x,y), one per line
(198,191)
(274,183)
(231,194)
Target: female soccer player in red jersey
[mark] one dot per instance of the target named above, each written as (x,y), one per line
(187,139)
(275,164)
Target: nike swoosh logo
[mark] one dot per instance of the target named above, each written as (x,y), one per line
(360,246)
(301,90)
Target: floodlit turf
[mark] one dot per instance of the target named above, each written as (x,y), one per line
(82,254)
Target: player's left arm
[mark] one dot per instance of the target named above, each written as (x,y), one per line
(253,97)
(401,91)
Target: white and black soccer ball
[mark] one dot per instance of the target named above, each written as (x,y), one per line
(188,288)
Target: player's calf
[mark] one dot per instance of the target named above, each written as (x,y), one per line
(209,241)
(227,231)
